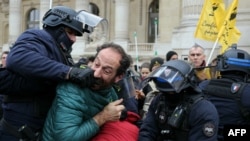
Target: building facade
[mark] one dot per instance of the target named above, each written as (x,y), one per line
(145,28)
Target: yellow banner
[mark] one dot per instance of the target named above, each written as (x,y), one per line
(211,19)
(229,34)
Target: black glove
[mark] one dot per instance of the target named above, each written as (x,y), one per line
(82,76)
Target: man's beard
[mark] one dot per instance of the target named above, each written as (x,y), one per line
(100,84)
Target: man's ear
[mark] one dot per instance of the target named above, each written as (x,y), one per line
(118,78)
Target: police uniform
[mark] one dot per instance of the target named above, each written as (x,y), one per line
(230,92)
(228,108)
(38,60)
(180,111)
(202,121)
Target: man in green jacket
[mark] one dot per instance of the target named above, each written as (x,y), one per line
(78,113)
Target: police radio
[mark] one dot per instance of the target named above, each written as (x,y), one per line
(177,117)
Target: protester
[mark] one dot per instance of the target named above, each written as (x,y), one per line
(135,75)
(3,65)
(212,68)
(144,70)
(80,113)
(197,59)
(155,63)
(179,112)
(230,92)
(37,62)
(149,89)
(171,55)
(4,57)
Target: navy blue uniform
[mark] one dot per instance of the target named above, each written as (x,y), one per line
(38,65)
(228,108)
(202,122)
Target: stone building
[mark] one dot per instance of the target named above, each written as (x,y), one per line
(145,28)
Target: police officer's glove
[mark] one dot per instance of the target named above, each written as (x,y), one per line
(82,76)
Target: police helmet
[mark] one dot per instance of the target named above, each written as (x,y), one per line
(62,15)
(81,21)
(125,87)
(174,75)
(234,60)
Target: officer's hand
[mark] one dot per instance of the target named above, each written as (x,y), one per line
(82,76)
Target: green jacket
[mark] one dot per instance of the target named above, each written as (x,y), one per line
(71,116)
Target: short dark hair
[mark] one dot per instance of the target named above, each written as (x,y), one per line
(124,62)
(170,54)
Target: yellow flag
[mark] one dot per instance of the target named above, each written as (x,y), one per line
(229,34)
(211,19)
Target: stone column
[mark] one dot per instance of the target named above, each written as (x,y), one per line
(168,18)
(44,7)
(14,20)
(82,5)
(121,20)
(242,23)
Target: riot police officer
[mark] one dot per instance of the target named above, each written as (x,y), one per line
(179,112)
(230,92)
(37,62)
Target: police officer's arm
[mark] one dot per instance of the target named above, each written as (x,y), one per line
(12,83)
(203,121)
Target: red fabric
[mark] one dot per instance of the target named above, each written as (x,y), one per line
(119,130)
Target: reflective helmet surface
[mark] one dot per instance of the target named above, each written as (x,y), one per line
(234,60)
(173,75)
(125,87)
(62,15)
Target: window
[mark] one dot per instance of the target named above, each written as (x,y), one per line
(153,19)
(93,9)
(33,19)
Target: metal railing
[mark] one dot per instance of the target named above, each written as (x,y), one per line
(141,47)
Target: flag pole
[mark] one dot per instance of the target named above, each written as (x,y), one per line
(136,51)
(155,47)
(212,51)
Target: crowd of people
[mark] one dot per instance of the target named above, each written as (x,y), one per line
(46,96)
